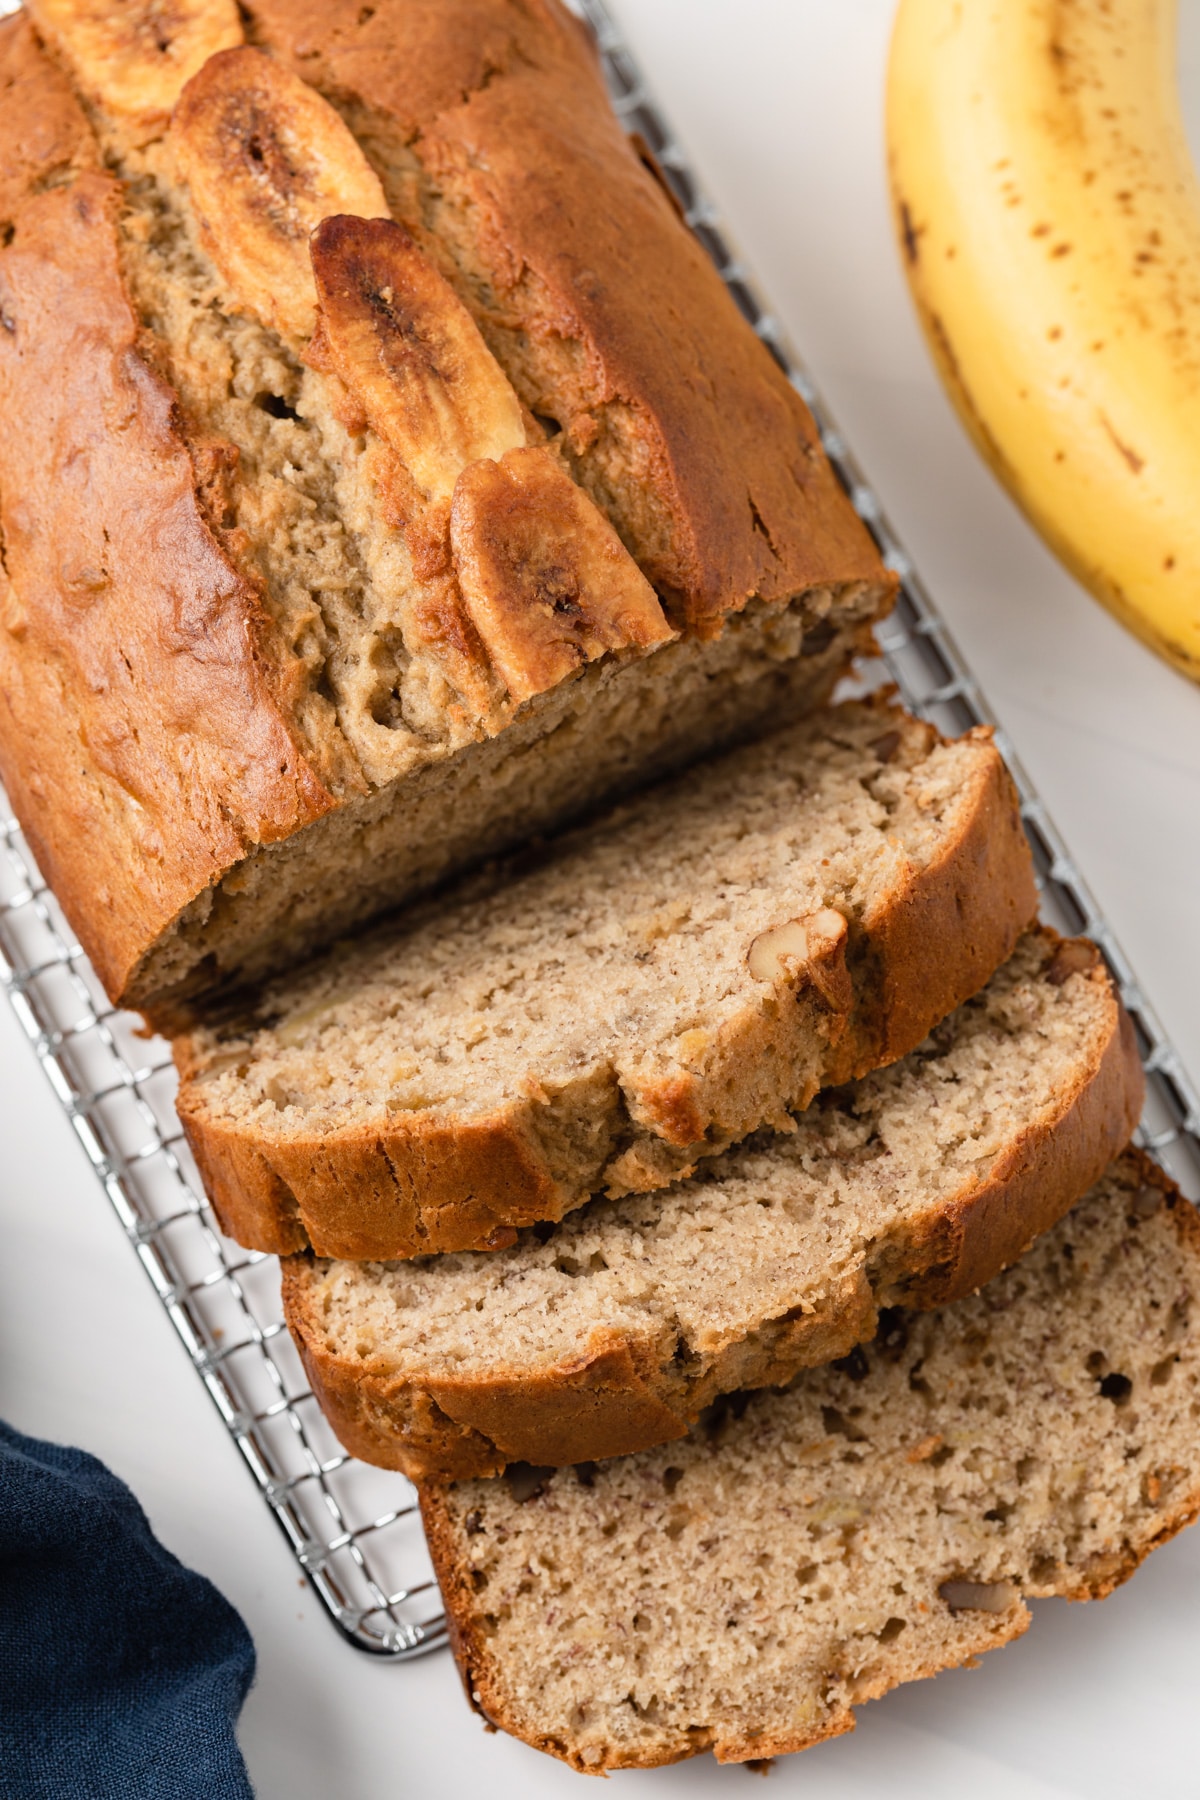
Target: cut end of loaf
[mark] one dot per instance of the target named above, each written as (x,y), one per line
(880,1520)
(567,752)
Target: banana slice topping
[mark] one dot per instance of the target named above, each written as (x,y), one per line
(397,335)
(133,57)
(545,579)
(266,159)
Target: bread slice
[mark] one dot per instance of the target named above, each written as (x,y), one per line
(696,965)
(610,1332)
(884,1518)
(266,670)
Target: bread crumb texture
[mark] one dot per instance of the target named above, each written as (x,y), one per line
(606,1012)
(614,1329)
(881,1519)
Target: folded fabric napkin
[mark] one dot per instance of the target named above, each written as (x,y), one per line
(121,1672)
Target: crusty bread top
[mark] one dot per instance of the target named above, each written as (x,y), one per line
(46,134)
(304,625)
(878,1521)
(135,652)
(613,1330)
(136,656)
(490,126)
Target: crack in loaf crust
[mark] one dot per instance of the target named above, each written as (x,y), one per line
(600,1023)
(881,1520)
(612,1333)
(142,789)
(192,620)
(491,129)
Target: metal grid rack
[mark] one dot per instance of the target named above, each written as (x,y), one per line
(354,1530)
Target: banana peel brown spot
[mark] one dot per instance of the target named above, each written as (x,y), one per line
(400,339)
(1129,456)
(545,579)
(266,159)
(811,949)
(910,233)
(133,58)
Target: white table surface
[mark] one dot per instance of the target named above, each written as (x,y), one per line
(779,102)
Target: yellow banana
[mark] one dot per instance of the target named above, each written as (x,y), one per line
(1049,219)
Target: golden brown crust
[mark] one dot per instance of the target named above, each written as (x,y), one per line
(365,1190)
(607,1401)
(617,1397)
(414,1184)
(169,755)
(641,340)
(979,1632)
(46,134)
(190,759)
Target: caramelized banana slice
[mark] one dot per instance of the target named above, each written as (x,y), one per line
(266,159)
(133,57)
(546,581)
(395,332)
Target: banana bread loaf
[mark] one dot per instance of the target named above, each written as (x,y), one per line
(882,1519)
(612,1331)
(658,985)
(331,566)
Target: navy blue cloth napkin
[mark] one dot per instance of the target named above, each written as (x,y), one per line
(121,1672)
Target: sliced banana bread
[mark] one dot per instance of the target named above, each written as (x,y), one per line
(882,1519)
(610,1332)
(694,966)
(331,563)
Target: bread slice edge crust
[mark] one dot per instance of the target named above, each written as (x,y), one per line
(978,1631)
(415,1185)
(619,1397)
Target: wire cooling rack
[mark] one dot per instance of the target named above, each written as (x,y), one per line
(355,1530)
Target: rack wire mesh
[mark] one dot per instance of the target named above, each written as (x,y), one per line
(355,1531)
